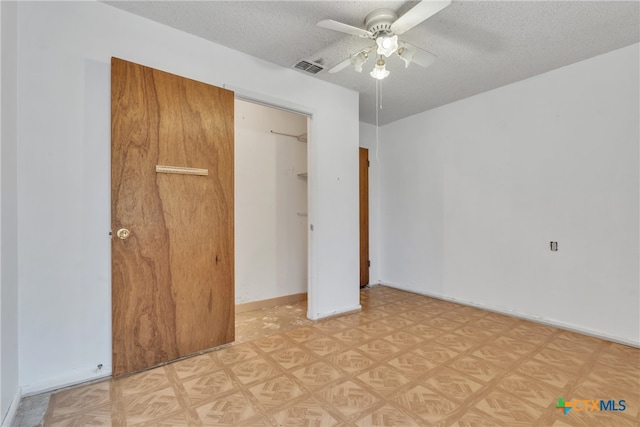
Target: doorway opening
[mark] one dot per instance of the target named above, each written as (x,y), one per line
(271,207)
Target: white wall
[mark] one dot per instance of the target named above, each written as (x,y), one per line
(473,192)
(64,51)
(270,236)
(9,385)
(368,140)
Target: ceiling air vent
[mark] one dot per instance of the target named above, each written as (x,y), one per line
(308,66)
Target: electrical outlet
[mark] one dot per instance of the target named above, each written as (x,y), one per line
(554,246)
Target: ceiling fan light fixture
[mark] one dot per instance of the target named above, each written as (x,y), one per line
(406,54)
(387,45)
(379,71)
(358,60)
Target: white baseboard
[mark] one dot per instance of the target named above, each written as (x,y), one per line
(63,381)
(341,312)
(13,409)
(537,319)
(271,302)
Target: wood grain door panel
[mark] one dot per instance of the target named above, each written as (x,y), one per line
(173,279)
(364,217)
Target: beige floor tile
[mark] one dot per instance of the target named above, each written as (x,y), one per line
(305,334)
(419,315)
(476,368)
(330,326)
(195,366)
(457,342)
(229,410)
(290,358)
(143,382)
(254,370)
(509,410)
(352,336)
(397,322)
(404,360)
(453,385)
(590,389)
(474,333)
(307,413)
(276,392)
(383,379)
(425,403)
(151,406)
(472,418)
(532,335)
(515,345)
(387,416)
(496,354)
(543,372)
(592,419)
(349,398)
(325,345)
(566,360)
(273,343)
(403,338)
(82,399)
(235,354)
(380,349)
(424,332)
(317,375)
(443,324)
(412,364)
(616,361)
(490,325)
(207,386)
(95,415)
(376,328)
(352,361)
(530,390)
(625,378)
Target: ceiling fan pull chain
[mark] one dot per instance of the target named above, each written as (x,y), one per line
(378,83)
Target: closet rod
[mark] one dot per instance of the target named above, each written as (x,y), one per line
(301,137)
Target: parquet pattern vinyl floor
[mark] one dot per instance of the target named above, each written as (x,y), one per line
(404,360)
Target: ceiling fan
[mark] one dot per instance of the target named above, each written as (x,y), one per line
(384,26)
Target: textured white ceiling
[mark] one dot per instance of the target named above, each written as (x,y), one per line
(481,45)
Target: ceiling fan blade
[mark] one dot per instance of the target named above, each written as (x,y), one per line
(423,10)
(421,56)
(341,66)
(330,24)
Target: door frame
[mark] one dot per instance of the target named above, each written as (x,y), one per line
(312,191)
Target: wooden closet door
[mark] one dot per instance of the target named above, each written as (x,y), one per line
(364,217)
(172,216)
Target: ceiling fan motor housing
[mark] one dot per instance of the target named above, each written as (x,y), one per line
(379,21)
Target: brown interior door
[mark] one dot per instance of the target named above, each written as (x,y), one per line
(173,267)
(364,217)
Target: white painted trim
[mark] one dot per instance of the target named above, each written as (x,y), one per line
(312,191)
(68,380)
(13,409)
(519,315)
(269,101)
(348,310)
(312,194)
(270,302)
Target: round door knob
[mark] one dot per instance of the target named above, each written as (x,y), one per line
(123,234)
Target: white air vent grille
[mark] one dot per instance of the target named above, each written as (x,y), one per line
(308,66)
